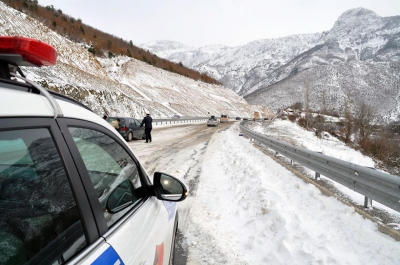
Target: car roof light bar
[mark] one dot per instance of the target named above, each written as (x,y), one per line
(33,52)
(53,102)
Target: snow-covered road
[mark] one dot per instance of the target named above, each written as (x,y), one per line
(247,209)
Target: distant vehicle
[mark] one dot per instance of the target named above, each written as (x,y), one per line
(212,117)
(212,122)
(224,118)
(129,128)
(176,116)
(245,119)
(238,118)
(265,119)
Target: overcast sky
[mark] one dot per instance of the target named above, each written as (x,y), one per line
(206,22)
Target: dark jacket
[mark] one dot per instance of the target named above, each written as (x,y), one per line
(147,122)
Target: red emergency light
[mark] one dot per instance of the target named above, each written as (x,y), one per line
(32,51)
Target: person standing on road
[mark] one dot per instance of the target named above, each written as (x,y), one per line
(147,126)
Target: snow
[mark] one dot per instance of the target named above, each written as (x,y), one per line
(219,98)
(327,145)
(248,209)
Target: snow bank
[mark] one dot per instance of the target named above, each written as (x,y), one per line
(250,210)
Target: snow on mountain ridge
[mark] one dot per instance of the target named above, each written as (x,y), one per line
(230,64)
(163,45)
(357,18)
(356,26)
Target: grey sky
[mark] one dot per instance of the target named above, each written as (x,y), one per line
(206,22)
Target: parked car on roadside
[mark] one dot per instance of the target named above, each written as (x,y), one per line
(129,128)
(72,191)
(238,118)
(176,116)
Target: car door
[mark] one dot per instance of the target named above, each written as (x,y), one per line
(141,230)
(46,217)
(133,128)
(139,131)
(129,123)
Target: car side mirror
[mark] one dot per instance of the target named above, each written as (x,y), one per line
(121,197)
(169,188)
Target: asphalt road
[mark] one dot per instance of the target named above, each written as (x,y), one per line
(178,150)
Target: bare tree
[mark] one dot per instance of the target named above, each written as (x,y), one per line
(349,122)
(324,110)
(364,121)
(307,103)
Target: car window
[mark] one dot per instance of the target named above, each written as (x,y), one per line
(108,165)
(137,123)
(39,220)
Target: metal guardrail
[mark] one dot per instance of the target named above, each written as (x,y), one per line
(373,184)
(179,120)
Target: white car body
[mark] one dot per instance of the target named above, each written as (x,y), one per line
(136,239)
(212,122)
(90,200)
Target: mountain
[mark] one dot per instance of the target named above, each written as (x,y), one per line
(232,65)
(331,87)
(357,61)
(121,85)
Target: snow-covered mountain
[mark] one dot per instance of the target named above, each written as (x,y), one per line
(357,61)
(121,85)
(232,65)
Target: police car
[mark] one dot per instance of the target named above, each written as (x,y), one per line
(71,190)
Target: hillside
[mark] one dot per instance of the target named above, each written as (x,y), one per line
(121,85)
(97,42)
(331,87)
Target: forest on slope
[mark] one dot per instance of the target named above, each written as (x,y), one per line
(99,43)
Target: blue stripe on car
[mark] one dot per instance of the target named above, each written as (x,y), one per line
(109,256)
(171,208)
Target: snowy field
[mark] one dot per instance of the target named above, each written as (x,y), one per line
(250,210)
